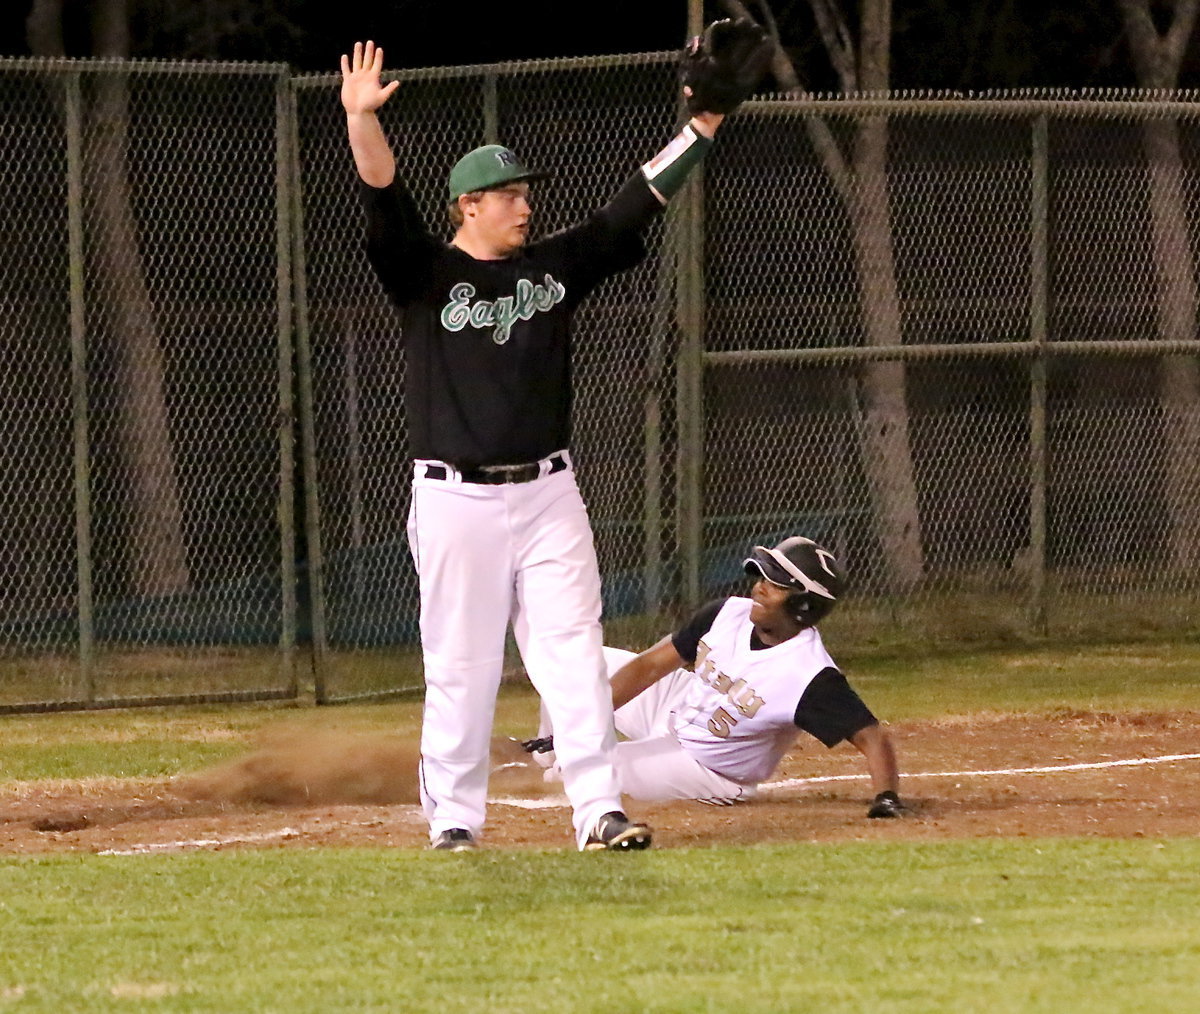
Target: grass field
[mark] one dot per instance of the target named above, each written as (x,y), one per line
(1020,925)
(1048,926)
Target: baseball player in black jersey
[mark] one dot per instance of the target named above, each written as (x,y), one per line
(710,711)
(497,528)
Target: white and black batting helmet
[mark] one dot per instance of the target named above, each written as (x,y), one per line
(810,571)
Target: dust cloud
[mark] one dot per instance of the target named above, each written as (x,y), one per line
(329,768)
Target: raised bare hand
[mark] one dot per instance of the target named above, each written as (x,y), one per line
(361,89)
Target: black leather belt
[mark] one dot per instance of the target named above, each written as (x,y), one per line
(499,475)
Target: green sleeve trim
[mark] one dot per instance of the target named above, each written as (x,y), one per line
(669,169)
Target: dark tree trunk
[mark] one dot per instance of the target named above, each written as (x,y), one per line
(1157,59)
(861,180)
(43,28)
(157,555)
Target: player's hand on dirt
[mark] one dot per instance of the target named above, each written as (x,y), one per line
(362,91)
(887,804)
(543,745)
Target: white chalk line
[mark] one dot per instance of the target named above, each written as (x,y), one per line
(560,802)
(796,783)
(257,838)
(282,834)
(544,803)
(1040,770)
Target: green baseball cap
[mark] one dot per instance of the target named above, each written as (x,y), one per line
(493,165)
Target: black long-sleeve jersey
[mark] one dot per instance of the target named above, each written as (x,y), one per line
(488,343)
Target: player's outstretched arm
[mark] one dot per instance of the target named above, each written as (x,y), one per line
(874,743)
(362,95)
(720,69)
(644,671)
(640,672)
(667,172)
(706,123)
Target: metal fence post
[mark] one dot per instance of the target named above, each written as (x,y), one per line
(491,110)
(1038,326)
(284,141)
(689,259)
(689,400)
(79,387)
(308,437)
(661,324)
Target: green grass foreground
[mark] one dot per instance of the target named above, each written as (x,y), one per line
(1023,926)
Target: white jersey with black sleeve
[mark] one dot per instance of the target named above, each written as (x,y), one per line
(748,701)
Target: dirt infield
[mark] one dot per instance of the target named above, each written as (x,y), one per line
(961,777)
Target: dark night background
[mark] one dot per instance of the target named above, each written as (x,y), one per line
(207,214)
(936,44)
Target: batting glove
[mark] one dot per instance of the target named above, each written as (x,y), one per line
(543,745)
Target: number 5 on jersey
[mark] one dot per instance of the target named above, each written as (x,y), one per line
(743,698)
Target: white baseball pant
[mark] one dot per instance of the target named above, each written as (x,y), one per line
(652,765)
(485,555)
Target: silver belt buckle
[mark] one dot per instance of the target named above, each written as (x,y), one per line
(511,473)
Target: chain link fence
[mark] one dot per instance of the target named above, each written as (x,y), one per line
(956,344)
(145,462)
(592,122)
(959,345)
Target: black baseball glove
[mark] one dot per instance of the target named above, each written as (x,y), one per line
(722,67)
(887,804)
(543,745)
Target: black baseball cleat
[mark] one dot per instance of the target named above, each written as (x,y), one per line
(617,833)
(456,839)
